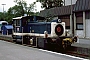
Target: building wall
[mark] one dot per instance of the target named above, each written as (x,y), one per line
(78,22)
(82,24)
(87,19)
(87,28)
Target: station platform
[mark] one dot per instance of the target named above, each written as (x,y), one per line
(11,51)
(84,43)
(82,46)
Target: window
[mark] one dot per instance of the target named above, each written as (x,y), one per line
(17,22)
(79,26)
(24,22)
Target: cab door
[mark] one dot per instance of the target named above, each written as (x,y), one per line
(25,25)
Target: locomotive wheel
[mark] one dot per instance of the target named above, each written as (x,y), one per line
(59,30)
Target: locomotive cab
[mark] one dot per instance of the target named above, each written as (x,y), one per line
(22,27)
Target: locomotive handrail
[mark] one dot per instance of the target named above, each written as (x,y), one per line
(31,34)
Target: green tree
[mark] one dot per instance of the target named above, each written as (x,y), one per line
(30,9)
(5,17)
(20,9)
(47,4)
(1,16)
(22,6)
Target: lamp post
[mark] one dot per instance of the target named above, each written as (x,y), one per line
(3,9)
(64,2)
(71,22)
(71,7)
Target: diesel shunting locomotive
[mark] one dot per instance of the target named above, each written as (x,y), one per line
(35,31)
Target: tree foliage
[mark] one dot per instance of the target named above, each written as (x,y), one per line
(24,9)
(20,5)
(1,16)
(50,3)
(20,9)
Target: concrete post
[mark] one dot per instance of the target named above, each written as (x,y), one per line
(71,22)
(71,29)
(74,24)
(84,25)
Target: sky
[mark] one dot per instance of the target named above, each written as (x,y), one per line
(11,3)
(68,2)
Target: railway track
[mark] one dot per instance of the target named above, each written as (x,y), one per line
(76,51)
(6,38)
(79,52)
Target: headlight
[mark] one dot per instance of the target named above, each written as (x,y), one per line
(59,29)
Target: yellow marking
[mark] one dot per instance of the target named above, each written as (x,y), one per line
(68,39)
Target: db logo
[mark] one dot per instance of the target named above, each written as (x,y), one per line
(58,29)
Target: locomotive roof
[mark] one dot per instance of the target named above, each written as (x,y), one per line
(19,17)
(38,17)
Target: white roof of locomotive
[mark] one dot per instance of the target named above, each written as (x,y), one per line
(19,17)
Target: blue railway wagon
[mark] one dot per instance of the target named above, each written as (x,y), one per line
(7,29)
(3,23)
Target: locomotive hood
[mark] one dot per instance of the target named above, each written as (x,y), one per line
(57,29)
